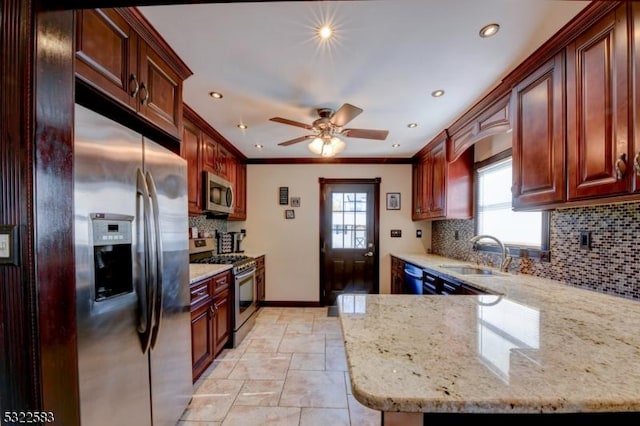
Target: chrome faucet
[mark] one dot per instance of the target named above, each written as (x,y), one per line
(506,258)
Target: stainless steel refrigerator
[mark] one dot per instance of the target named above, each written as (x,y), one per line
(132,284)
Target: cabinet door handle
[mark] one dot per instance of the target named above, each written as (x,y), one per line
(636,163)
(145,98)
(136,87)
(212,310)
(621,166)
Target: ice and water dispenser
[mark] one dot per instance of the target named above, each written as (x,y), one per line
(112,255)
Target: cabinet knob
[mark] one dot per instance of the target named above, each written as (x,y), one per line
(145,98)
(636,163)
(621,166)
(136,87)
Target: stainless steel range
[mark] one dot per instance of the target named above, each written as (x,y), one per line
(244,296)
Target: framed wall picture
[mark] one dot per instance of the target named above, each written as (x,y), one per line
(295,201)
(393,201)
(289,214)
(284,195)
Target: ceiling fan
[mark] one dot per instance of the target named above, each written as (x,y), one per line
(328,127)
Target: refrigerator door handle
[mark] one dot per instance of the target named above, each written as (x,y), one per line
(145,294)
(153,193)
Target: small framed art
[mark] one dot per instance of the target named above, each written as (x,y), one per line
(393,201)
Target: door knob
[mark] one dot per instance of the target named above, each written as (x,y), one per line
(368,254)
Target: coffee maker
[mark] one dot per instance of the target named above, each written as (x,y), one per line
(237,238)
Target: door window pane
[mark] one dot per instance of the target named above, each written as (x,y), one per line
(348,220)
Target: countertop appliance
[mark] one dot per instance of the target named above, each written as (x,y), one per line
(244,295)
(237,238)
(132,276)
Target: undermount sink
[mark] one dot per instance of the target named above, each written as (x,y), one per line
(467,270)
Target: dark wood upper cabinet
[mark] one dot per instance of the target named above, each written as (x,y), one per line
(238,177)
(635,101)
(107,53)
(598,109)
(539,137)
(190,151)
(442,189)
(122,56)
(495,119)
(160,98)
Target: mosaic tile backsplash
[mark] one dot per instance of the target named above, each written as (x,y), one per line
(612,265)
(208,225)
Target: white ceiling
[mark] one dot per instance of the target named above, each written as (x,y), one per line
(386,57)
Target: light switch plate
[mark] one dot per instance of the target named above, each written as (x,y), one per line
(9,245)
(396,233)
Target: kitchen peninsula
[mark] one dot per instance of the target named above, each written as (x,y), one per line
(534,347)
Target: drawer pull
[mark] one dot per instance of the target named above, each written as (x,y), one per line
(134,81)
(145,98)
(621,166)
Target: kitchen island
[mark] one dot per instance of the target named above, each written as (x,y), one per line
(534,347)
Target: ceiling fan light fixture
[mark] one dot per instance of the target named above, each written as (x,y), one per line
(326,146)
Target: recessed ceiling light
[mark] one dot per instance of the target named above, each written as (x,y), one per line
(395,145)
(325,32)
(258,146)
(242,126)
(215,95)
(437,93)
(489,30)
(412,125)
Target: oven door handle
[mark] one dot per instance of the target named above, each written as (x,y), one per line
(244,274)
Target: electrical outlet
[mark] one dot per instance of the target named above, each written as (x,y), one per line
(585,240)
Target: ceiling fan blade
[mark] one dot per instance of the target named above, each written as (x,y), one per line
(345,114)
(291,122)
(296,140)
(366,133)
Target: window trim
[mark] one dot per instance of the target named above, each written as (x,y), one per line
(543,253)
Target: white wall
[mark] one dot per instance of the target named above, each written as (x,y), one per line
(292,246)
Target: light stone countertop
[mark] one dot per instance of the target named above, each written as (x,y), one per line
(200,271)
(538,347)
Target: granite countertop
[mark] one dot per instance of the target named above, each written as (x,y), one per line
(200,271)
(539,346)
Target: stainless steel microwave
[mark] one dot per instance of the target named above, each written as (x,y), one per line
(218,194)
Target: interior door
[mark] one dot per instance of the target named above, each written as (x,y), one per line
(349,260)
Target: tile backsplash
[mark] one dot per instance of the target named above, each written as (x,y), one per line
(611,265)
(208,225)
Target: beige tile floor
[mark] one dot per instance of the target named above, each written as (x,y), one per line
(290,370)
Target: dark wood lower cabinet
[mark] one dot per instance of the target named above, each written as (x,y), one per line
(201,340)
(260,279)
(210,320)
(221,321)
(397,275)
